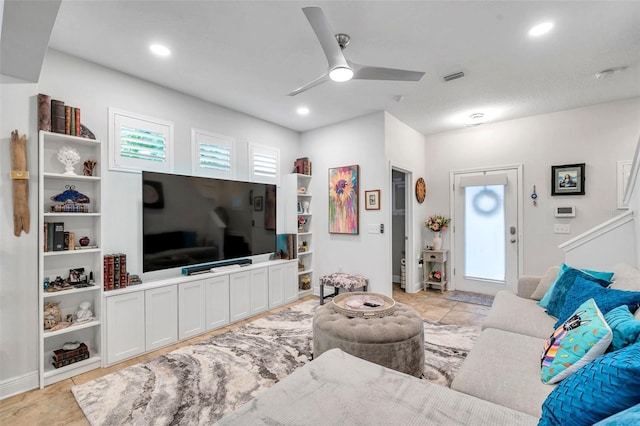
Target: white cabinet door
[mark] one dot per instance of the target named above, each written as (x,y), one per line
(161,316)
(290,282)
(125,326)
(217,290)
(276,286)
(259,290)
(191,309)
(239,296)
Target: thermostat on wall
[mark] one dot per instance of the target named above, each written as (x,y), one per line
(565,211)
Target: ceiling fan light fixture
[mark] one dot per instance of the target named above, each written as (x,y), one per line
(341,74)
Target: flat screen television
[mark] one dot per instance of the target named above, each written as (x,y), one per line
(190,220)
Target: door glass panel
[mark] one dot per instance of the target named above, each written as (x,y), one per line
(484,225)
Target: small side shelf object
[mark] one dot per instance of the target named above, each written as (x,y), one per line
(434,265)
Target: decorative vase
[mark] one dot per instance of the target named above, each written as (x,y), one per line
(84,241)
(437,241)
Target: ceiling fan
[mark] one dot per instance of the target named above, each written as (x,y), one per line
(340,68)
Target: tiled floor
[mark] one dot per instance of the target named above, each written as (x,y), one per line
(55,404)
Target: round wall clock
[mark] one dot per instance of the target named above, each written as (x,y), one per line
(421,190)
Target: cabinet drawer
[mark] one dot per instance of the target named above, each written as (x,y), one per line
(435,256)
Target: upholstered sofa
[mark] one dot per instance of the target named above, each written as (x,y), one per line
(499,383)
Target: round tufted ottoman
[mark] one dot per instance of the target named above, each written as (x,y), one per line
(395,341)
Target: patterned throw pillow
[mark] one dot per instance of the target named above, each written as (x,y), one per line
(626,329)
(606,298)
(602,388)
(582,338)
(564,285)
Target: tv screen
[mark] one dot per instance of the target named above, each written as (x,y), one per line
(189,220)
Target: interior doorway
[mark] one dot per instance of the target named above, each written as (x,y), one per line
(399,227)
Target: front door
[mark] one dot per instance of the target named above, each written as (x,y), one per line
(486,229)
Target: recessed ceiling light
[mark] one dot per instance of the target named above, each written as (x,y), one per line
(302,110)
(541,29)
(160,50)
(475,119)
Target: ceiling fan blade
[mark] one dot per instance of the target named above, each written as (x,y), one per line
(325,36)
(314,83)
(365,72)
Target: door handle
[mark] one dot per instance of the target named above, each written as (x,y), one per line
(513,240)
(512,230)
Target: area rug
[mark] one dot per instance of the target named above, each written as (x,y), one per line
(200,383)
(475,298)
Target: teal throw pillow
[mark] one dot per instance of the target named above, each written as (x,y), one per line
(581,339)
(563,286)
(625,328)
(605,276)
(606,298)
(602,388)
(630,416)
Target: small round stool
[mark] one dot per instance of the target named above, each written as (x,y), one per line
(395,341)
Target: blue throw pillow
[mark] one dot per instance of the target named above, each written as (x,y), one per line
(626,329)
(605,276)
(606,298)
(563,286)
(603,387)
(630,416)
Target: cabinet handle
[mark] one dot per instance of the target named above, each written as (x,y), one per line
(432,257)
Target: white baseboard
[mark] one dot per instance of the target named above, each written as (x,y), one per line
(19,384)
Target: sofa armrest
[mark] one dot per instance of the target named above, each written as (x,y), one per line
(527,285)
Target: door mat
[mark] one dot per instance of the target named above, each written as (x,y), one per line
(466,297)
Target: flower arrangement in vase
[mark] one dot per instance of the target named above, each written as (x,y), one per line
(435,276)
(437,224)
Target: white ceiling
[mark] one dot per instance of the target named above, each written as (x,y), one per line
(248,55)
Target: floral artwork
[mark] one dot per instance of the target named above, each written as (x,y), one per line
(343,200)
(437,223)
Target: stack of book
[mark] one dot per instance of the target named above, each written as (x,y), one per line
(302,166)
(55,116)
(115,271)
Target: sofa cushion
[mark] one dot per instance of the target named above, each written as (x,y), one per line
(626,329)
(564,286)
(603,387)
(606,298)
(579,340)
(504,368)
(339,389)
(604,276)
(546,280)
(626,277)
(516,314)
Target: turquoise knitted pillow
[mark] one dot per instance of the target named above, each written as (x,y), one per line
(563,286)
(605,276)
(606,298)
(626,329)
(603,387)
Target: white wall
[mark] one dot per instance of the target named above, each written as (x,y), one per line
(94,89)
(598,135)
(359,141)
(405,149)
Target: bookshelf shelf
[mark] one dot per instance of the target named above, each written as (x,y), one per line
(59,263)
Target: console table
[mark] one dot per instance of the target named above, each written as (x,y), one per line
(434,261)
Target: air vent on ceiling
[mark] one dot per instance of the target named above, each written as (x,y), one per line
(453,76)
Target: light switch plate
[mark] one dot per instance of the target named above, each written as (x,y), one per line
(373,228)
(561,228)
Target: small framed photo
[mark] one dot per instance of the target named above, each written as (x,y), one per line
(567,179)
(372,199)
(258,203)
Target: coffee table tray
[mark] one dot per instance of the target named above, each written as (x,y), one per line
(353,305)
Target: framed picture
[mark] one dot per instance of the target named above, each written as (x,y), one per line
(372,199)
(344,192)
(258,203)
(567,179)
